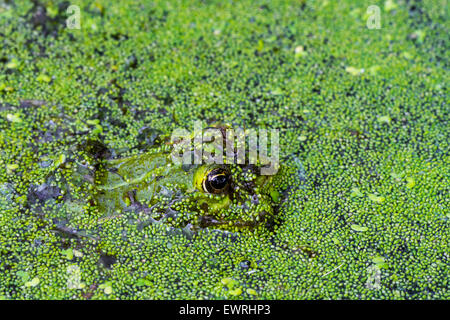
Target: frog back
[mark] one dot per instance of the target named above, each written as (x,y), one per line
(139,178)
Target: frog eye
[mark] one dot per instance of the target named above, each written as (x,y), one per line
(216,181)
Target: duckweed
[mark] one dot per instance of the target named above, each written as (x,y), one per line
(362,115)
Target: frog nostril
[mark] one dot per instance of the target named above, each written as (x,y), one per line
(204,207)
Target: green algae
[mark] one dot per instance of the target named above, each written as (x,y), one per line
(362,116)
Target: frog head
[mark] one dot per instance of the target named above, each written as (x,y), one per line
(220,196)
(231,197)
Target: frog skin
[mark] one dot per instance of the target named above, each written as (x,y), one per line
(222,196)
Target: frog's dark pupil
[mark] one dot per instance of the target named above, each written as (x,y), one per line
(217,180)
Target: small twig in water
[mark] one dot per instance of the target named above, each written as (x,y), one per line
(333,270)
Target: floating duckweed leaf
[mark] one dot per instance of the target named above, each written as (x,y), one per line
(143,282)
(52,11)
(108,290)
(10,168)
(182,74)
(13,64)
(252,292)
(356,193)
(419,35)
(106,287)
(354,71)
(93,122)
(14,117)
(375,198)
(68,253)
(21,199)
(440,263)
(378,260)
(24,275)
(260,46)
(336,241)
(300,52)
(229,282)
(271,39)
(276,91)
(33,283)
(358,228)
(356,12)
(235,292)
(275,195)
(373,70)
(43,78)
(61,159)
(384,119)
(77,253)
(397,176)
(407,55)
(410,183)
(98,128)
(390,5)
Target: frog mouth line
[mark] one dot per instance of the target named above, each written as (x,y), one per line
(204,221)
(210,221)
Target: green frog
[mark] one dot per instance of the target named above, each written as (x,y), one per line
(227,196)
(222,196)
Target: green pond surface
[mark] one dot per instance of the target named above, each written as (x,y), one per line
(358,210)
